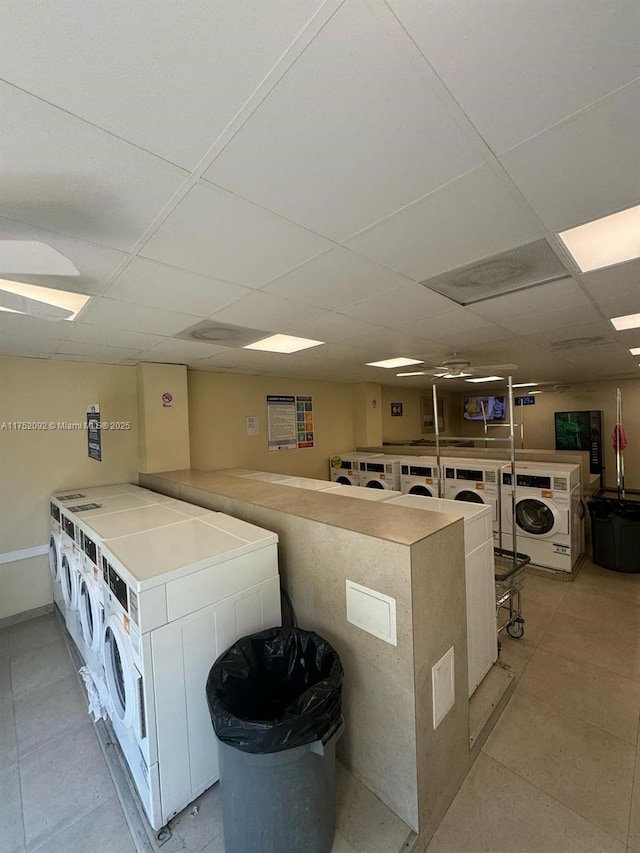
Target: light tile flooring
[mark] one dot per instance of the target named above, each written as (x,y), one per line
(56,792)
(558,773)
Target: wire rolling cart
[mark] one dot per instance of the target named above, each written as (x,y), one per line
(509,565)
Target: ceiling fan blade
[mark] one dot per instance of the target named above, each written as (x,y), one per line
(32,307)
(28,257)
(493,368)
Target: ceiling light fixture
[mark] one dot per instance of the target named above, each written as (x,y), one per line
(604,242)
(394,362)
(525,384)
(451,375)
(413,373)
(283,343)
(628,321)
(45,303)
(485,379)
(635,351)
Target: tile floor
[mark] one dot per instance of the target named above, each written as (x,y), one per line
(58,796)
(558,772)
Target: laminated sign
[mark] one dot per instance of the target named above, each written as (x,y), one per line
(289,422)
(94,436)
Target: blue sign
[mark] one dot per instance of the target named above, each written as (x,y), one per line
(529,400)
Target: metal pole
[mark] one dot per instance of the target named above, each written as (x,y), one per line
(512,449)
(436,427)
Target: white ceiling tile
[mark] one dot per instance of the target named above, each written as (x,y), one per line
(613,282)
(217,234)
(332,328)
(601,357)
(159,286)
(473,218)
(33,328)
(63,174)
(556,296)
(600,328)
(584,168)
(337,278)
(86,333)
(261,310)
(181,351)
(348,355)
(26,347)
(459,320)
(618,307)
(533,323)
(123,315)
(392,342)
(168,80)
(399,306)
(479,335)
(94,263)
(517,68)
(96,352)
(352,133)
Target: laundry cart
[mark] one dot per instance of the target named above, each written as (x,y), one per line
(509,578)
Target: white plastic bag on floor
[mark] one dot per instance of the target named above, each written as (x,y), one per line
(96,707)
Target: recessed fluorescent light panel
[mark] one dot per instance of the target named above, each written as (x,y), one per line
(635,351)
(46,303)
(283,343)
(413,373)
(485,379)
(525,266)
(394,362)
(628,321)
(525,384)
(605,242)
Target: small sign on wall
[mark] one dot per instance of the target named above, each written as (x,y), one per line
(94,436)
(529,400)
(253,425)
(167,400)
(396,410)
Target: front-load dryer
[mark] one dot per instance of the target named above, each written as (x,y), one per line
(381,472)
(344,468)
(475,481)
(55,556)
(547,507)
(176,598)
(419,476)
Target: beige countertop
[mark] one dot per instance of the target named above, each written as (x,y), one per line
(402,525)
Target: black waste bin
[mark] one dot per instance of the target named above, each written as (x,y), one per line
(275,700)
(615,533)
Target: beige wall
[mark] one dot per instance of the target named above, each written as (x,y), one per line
(219,404)
(163,437)
(367,414)
(34,463)
(539,423)
(409,426)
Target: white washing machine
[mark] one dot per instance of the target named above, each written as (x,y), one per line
(548,513)
(380,472)
(482,630)
(55,556)
(419,476)
(377,495)
(475,481)
(177,597)
(344,468)
(267,476)
(70,571)
(307,483)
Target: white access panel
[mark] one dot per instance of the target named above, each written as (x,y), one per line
(482,630)
(372,611)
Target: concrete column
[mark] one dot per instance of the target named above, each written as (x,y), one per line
(163,417)
(367,414)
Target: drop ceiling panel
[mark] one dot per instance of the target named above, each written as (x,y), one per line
(168,78)
(600,329)
(517,68)
(62,174)
(353,132)
(335,279)
(160,286)
(86,333)
(124,315)
(217,234)
(94,263)
(95,352)
(265,311)
(479,335)
(534,323)
(556,296)
(584,168)
(351,355)
(33,328)
(399,306)
(457,321)
(332,328)
(613,282)
(392,342)
(473,218)
(620,306)
(182,351)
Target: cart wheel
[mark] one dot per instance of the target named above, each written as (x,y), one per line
(516,629)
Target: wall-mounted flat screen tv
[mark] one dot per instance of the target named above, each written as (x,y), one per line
(494,408)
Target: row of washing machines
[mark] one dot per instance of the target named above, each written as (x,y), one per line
(548,512)
(152,590)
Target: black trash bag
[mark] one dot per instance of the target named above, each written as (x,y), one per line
(275,690)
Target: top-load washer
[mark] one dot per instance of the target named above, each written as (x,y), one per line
(482,631)
(548,512)
(362,493)
(307,483)
(176,598)
(475,481)
(344,468)
(419,476)
(266,476)
(380,472)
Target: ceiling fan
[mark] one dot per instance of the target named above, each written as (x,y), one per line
(457,367)
(20,258)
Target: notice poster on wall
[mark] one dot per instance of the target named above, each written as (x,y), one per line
(304,421)
(281,422)
(94,436)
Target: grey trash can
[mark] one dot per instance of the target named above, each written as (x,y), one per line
(275,704)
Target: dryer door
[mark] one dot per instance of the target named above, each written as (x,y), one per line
(69,577)
(54,557)
(469,496)
(91,613)
(538,518)
(344,480)
(120,670)
(422,490)
(375,484)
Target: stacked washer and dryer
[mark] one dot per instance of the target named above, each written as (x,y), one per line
(166,587)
